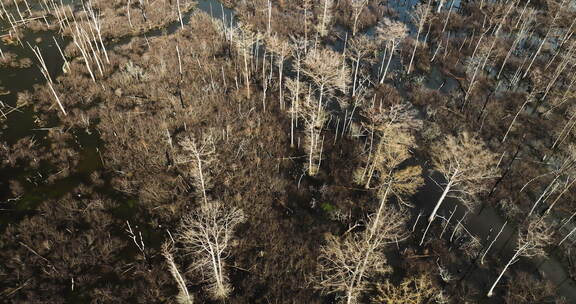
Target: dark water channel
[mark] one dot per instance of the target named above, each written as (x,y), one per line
(485,225)
(21,123)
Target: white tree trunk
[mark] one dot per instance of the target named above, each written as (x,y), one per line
(566,188)
(201,176)
(438,204)
(388,64)
(355,76)
(492,243)
(441,199)
(425,232)
(510,262)
(546,191)
(322,28)
(567,236)
(414,51)
(515,117)
(440,6)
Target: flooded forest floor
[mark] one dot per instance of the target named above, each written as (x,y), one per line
(120,120)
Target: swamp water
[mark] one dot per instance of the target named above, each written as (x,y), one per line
(22,122)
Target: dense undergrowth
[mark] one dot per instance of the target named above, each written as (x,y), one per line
(326,154)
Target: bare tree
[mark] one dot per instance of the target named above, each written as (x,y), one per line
(298,47)
(466,165)
(391,33)
(346,263)
(325,67)
(550,30)
(46,74)
(529,99)
(314,120)
(524,288)
(184,297)
(206,235)
(533,237)
(413,290)
(244,42)
(527,24)
(567,128)
(359,48)
(282,49)
(492,243)
(392,130)
(563,168)
(327,6)
(357,8)
(420,16)
(328,72)
(294,89)
(198,155)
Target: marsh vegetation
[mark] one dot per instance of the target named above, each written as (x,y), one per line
(276,151)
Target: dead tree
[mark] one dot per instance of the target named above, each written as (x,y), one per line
(314,120)
(567,127)
(198,155)
(326,19)
(420,17)
(391,130)
(357,8)
(243,40)
(294,90)
(324,67)
(46,74)
(346,263)
(563,168)
(282,49)
(533,237)
(390,33)
(295,87)
(413,290)
(359,47)
(184,297)
(206,235)
(466,165)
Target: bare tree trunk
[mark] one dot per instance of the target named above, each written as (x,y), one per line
(311,171)
(200,174)
(492,243)
(544,40)
(448,221)
(448,16)
(180,282)
(418,37)
(128,13)
(179,14)
(361,268)
(546,191)
(441,199)
(510,262)
(440,4)
(567,187)
(425,233)
(246,76)
(438,204)
(568,126)
(269,16)
(528,99)
(567,236)
(388,63)
(323,26)
(372,166)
